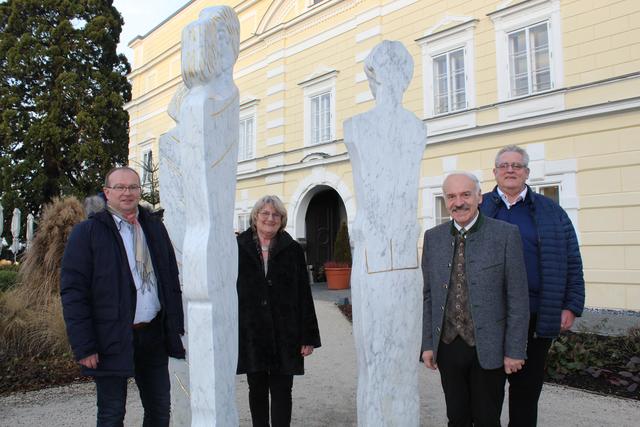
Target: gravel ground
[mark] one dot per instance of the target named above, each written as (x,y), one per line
(325,396)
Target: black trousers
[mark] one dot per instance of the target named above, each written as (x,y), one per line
(473,395)
(261,384)
(151,364)
(526,384)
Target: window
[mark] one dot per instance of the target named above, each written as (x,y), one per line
(244,220)
(319,107)
(551,191)
(321,118)
(441,213)
(247,138)
(449,82)
(529,60)
(147,167)
(448,54)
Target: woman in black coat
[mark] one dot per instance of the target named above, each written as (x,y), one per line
(277,319)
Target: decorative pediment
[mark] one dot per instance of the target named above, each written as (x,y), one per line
(277,13)
(447,22)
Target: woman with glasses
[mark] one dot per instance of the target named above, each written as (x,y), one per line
(277,319)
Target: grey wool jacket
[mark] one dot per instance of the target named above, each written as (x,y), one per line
(498,291)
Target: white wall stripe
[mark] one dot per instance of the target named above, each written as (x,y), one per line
(275,89)
(371,32)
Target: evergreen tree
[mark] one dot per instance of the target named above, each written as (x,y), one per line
(62,92)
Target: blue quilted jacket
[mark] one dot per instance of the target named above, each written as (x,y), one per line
(560,263)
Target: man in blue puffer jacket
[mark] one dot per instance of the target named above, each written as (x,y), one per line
(554,272)
(122,302)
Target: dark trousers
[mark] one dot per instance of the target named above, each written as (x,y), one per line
(152,378)
(473,395)
(260,385)
(525,385)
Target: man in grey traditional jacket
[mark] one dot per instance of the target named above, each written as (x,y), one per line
(476,305)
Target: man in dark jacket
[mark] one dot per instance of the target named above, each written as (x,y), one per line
(554,272)
(122,302)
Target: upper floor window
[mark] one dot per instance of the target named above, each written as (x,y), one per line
(319,107)
(247,138)
(449,90)
(321,118)
(530,60)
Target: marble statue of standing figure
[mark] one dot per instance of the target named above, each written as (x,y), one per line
(385,146)
(208,135)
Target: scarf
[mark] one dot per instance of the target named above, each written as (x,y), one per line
(144,266)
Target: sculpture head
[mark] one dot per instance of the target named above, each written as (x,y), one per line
(389,68)
(210,45)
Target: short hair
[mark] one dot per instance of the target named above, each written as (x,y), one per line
(472,177)
(116,169)
(512,148)
(390,64)
(277,205)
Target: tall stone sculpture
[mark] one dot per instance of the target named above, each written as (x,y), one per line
(30,229)
(172,198)
(16,226)
(205,155)
(385,146)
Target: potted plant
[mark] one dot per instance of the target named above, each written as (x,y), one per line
(338,270)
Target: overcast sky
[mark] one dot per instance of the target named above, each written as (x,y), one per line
(140,16)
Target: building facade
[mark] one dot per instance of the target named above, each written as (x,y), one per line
(559,77)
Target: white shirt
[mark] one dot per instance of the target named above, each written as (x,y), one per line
(147,303)
(468,226)
(504,198)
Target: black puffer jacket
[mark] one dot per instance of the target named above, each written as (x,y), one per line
(276,313)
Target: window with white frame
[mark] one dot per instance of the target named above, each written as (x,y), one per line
(529,60)
(449,74)
(529,50)
(320,118)
(441,214)
(552,191)
(244,221)
(247,138)
(146,167)
(449,91)
(320,108)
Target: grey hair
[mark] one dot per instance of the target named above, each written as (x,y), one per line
(277,205)
(93,204)
(513,149)
(472,177)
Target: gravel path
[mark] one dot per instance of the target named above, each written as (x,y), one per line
(325,396)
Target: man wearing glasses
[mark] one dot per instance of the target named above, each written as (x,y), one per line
(122,302)
(554,272)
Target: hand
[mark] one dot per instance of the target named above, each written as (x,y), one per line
(90,362)
(511,366)
(306,350)
(566,320)
(427,358)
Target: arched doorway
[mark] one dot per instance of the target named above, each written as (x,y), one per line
(323,217)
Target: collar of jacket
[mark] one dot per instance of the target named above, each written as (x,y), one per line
(246,241)
(473,229)
(529,199)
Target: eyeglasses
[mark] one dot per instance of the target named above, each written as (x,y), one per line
(266,215)
(514,166)
(122,188)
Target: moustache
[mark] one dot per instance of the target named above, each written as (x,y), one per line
(464,207)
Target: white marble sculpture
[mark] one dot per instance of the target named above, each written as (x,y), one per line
(385,146)
(30,229)
(16,226)
(207,154)
(172,198)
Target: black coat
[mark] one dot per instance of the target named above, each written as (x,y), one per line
(276,313)
(99,296)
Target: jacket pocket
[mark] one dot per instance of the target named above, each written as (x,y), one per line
(109,337)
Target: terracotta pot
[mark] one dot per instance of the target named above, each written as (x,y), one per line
(338,277)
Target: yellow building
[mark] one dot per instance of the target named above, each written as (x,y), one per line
(559,77)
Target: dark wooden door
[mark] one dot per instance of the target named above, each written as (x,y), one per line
(322,222)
